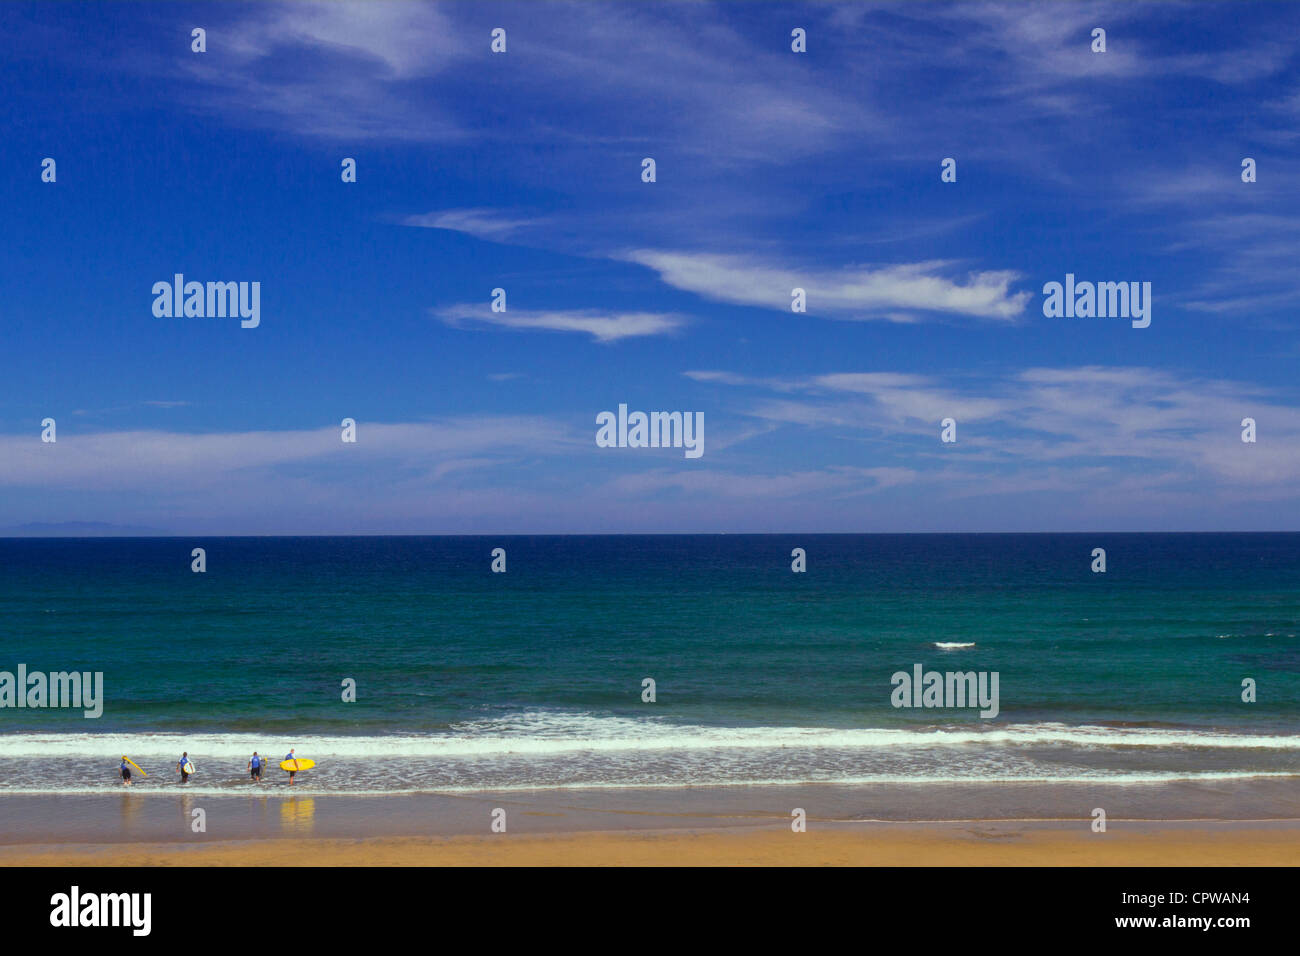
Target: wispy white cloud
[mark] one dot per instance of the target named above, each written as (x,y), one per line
(703,85)
(1106,420)
(480,223)
(1244,249)
(603,326)
(160,459)
(345,70)
(1039,50)
(897,293)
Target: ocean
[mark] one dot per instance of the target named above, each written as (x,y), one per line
(469,680)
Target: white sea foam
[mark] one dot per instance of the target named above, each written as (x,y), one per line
(549,733)
(953,645)
(307,789)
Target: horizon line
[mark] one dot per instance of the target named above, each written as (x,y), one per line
(584,534)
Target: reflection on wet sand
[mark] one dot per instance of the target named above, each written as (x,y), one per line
(129,811)
(298,815)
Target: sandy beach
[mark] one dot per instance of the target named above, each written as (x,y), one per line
(966,844)
(991,825)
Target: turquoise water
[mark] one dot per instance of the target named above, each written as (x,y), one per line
(470,679)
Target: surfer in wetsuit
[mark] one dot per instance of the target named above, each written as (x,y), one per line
(126,772)
(255,768)
(182,764)
(290,757)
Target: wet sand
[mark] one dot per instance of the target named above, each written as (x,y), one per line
(1237,823)
(988,844)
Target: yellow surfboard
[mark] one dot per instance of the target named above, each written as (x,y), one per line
(136,765)
(301,763)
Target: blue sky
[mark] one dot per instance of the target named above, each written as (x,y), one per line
(522,171)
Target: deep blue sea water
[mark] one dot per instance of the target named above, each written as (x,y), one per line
(467,679)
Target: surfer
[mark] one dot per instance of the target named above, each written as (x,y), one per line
(182,764)
(126,772)
(294,760)
(255,768)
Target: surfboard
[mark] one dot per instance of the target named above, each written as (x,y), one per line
(136,765)
(303,763)
(187,767)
